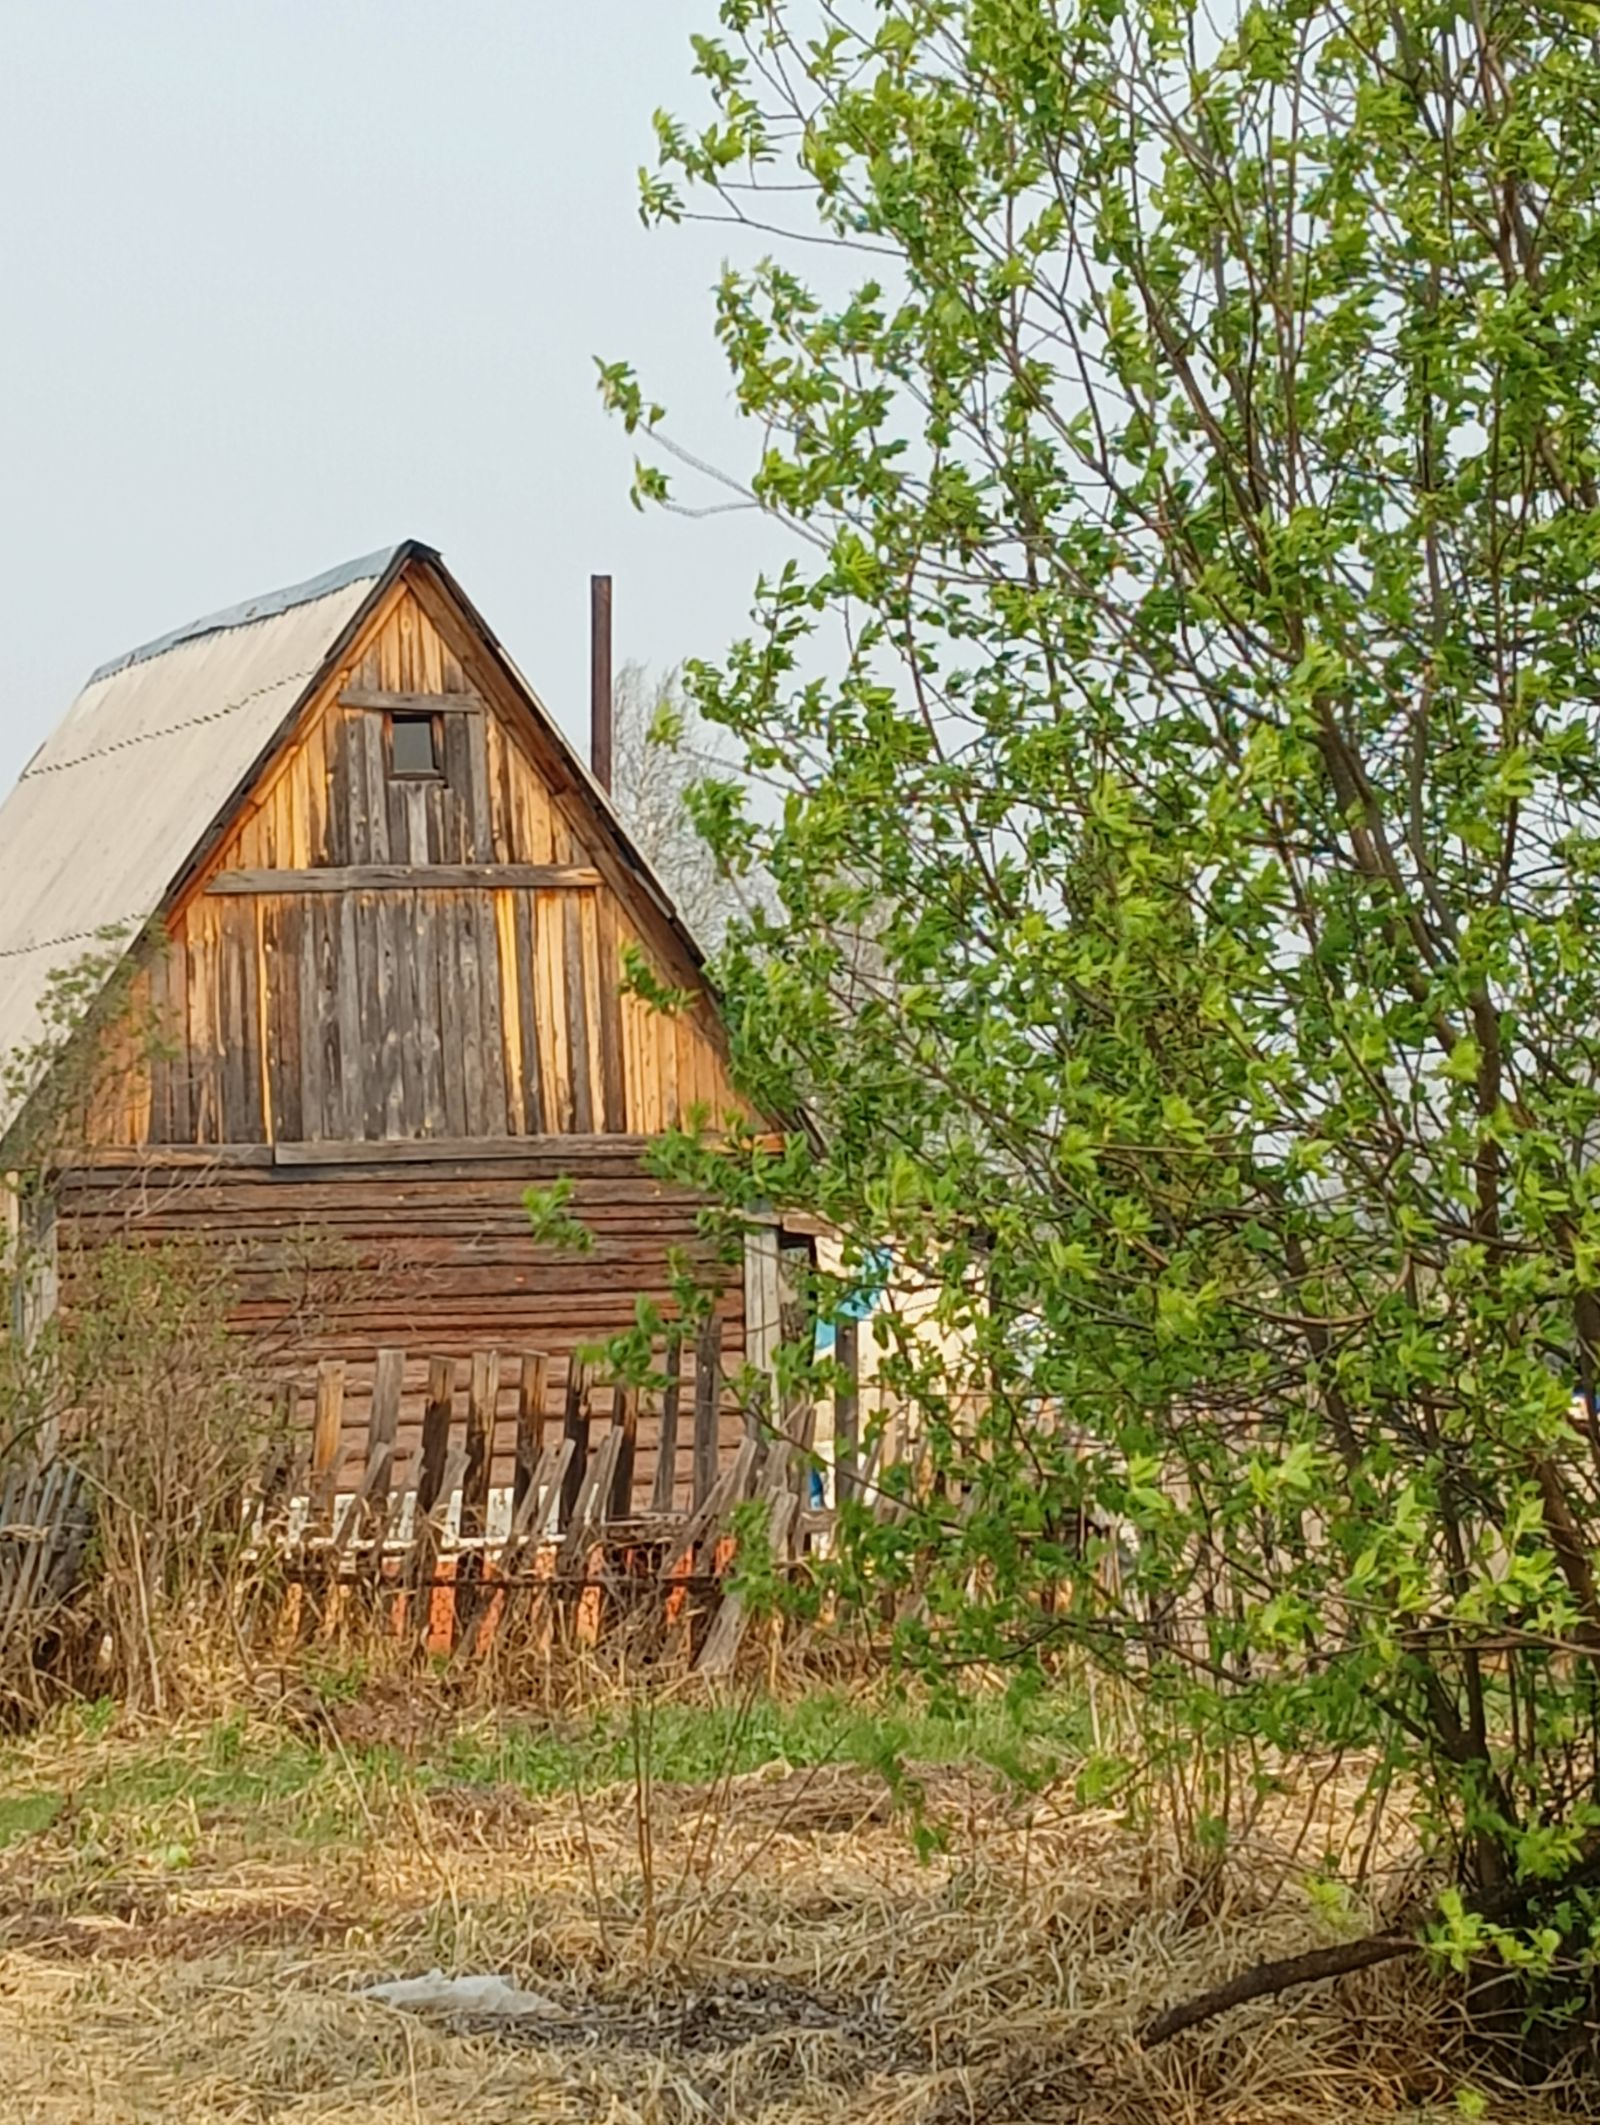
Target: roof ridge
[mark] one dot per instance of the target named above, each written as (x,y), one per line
(268,606)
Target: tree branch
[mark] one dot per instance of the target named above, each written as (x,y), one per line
(1266,1980)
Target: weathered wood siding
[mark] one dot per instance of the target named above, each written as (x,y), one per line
(331,1007)
(437,1257)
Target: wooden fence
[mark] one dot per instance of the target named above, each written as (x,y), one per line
(487,1500)
(45,1525)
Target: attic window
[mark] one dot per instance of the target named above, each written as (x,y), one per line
(413,748)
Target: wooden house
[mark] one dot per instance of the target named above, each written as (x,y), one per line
(374,912)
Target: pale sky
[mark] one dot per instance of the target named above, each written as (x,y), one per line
(286,280)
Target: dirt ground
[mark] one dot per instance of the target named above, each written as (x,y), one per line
(767,1950)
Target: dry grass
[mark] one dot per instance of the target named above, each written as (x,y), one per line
(760,1952)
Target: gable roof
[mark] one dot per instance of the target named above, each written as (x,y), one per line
(155,753)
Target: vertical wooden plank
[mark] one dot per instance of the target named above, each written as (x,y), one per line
(707,1407)
(531,1390)
(303,920)
(422,1565)
(404,625)
(283,1002)
(533,1105)
(397,817)
(388,647)
(456,817)
(491,1035)
(269,1022)
(370,1102)
(237,1040)
(482,1395)
(403,940)
(514,766)
(436,1416)
(415,799)
(306,800)
(625,1419)
(644,1090)
(846,1410)
(533,801)
(510,988)
(480,826)
(391,1015)
(376,787)
(575,1429)
(666,1038)
(350,1086)
(469,988)
(161,1059)
(245,922)
(555,1051)
(663,1495)
(322,1030)
(686,1095)
(204,1034)
(498,749)
(431,1032)
(343,791)
(176,1039)
(578,1036)
(383,1428)
(452,1014)
(325,1445)
(430,667)
(608,1015)
(650,1059)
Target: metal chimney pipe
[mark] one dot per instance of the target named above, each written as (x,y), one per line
(600,680)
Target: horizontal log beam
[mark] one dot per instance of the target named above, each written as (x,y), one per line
(397,704)
(519,1150)
(412,878)
(594,1157)
(87,1160)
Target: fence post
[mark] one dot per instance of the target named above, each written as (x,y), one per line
(383,1427)
(530,1426)
(707,1406)
(325,1446)
(575,1428)
(625,1421)
(482,1395)
(436,1416)
(666,1483)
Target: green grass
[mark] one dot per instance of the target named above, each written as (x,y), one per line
(154,1800)
(697,1743)
(26,1814)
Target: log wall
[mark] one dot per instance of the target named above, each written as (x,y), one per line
(439,1256)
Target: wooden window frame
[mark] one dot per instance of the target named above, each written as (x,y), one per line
(435,725)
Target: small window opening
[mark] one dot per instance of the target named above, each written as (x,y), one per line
(413,746)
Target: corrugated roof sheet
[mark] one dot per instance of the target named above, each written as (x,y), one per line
(109,810)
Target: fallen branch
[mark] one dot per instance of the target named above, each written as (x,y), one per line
(1267,1979)
(1512,1900)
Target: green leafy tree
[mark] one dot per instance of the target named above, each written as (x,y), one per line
(1190,429)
